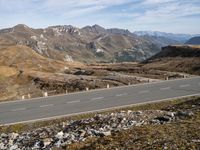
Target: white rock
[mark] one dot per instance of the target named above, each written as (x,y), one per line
(68,58)
(59,135)
(171,114)
(106,133)
(57,144)
(129,111)
(14,135)
(2,146)
(99,50)
(47,141)
(34,37)
(14,147)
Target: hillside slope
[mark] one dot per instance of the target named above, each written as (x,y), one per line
(194,41)
(24,58)
(88,44)
(18,64)
(176,58)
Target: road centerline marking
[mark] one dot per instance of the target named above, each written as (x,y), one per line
(46,105)
(123,94)
(97,98)
(18,109)
(145,91)
(71,102)
(165,88)
(184,85)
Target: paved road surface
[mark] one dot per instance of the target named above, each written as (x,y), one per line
(20,111)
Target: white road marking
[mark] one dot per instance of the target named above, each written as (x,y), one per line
(71,102)
(98,110)
(185,85)
(165,88)
(97,98)
(46,105)
(121,94)
(145,91)
(18,109)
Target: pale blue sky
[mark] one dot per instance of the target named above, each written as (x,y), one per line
(177,16)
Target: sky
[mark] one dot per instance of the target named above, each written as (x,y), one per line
(175,16)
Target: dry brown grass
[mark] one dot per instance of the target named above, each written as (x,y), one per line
(24,58)
(7,71)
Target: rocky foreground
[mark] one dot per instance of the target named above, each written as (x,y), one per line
(70,132)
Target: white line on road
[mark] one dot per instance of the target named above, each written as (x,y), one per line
(185,85)
(18,109)
(46,105)
(97,98)
(71,102)
(146,91)
(121,94)
(165,88)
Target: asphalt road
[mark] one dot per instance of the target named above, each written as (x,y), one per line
(43,108)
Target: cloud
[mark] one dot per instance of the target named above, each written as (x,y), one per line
(82,11)
(131,14)
(148,2)
(169,11)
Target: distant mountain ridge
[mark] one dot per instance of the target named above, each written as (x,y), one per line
(194,41)
(176,58)
(182,38)
(89,44)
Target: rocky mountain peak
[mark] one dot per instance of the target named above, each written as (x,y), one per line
(95,29)
(21,26)
(120,31)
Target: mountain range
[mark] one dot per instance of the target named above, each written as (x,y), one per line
(194,41)
(181,38)
(89,44)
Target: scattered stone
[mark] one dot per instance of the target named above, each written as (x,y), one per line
(59,135)
(129,111)
(72,131)
(47,142)
(163,119)
(14,147)
(106,133)
(184,114)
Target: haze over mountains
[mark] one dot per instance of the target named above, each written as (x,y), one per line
(194,41)
(182,38)
(89,44)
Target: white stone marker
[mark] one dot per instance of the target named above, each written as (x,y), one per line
(45,94)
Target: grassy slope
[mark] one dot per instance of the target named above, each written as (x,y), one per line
(176,58)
